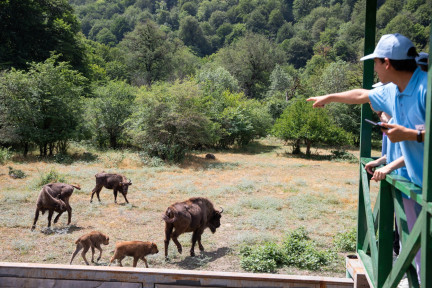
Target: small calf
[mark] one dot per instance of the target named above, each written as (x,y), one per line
(91,240)
(136,249)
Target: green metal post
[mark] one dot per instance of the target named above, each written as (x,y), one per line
(365,131)
(426,238)
(385,234)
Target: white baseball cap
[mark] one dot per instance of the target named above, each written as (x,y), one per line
(392,46)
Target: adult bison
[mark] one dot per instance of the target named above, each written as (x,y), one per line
(193,215)
(54,197)
(116,182)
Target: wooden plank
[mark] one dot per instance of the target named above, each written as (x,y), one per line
(149,277)
(13,282)
(357,271)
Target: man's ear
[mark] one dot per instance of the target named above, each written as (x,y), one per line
(387,63)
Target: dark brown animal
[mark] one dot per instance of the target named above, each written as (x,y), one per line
(116,182)
(54,197)
(91,240)
(136,249)
(193,215)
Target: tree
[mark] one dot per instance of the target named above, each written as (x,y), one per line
(191,34)
(108,112)
(298,51)
(300,122)
(30,30)
(149,54)
(250,60)
(170,120)
(42,105)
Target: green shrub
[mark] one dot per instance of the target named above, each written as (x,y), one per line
(346,241)
(261,258)
(16,173)
(302,252)
(50,177)
(5,155)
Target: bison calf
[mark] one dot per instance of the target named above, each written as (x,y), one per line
(136,249)
(116,182)
(91,240)
(193,215)
(54,197)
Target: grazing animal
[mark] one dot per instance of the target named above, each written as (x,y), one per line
(136,249)
(116,182)
(193,215)
(91,240)
(54,197)
(210,156)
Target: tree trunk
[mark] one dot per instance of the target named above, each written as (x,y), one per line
(26,148)
(296,147)
(308,146)
(113,141)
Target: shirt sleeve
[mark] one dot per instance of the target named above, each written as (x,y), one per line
(382,99)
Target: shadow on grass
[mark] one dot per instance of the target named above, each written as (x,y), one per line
(65,159)
(61,230)
(335,155)
(205,257)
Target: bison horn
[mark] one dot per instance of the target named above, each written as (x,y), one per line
(130,182)
(221,210)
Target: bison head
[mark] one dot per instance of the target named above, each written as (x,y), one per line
(154,249)
(125,186)
(59,205)
(214,221)
(105,240)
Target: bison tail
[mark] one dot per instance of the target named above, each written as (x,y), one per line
(76,186)
(166,217)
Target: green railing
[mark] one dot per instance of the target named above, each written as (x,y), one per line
(375,226)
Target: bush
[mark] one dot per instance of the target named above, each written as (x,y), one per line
(302,252)
(297,250)
(262,258)
(5,155)
(50,177)
(16,173)
(346,241)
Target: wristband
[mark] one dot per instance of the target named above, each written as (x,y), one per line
(419,136)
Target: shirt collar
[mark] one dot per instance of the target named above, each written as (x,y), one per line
(412,84)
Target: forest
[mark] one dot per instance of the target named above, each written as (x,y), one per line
(169,77)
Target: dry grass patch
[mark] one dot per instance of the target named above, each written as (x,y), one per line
(265,191)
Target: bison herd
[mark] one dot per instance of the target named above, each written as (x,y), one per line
(193,215)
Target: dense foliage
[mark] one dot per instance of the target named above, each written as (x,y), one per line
(171,76)
(297,250)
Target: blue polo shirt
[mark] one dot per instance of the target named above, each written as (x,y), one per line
(408,109)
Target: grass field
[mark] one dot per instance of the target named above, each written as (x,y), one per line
(265,191)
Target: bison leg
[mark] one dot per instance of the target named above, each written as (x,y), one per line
(179,247)
(84,253)
(168,231)
(115,195)
(100,252)
(124,195)
(135,261)
(93,252)
(57,217)
(35,219)
(50,214)
(78,248)
(96,190)
(145,261)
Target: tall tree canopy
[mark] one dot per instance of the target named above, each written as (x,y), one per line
(31,29)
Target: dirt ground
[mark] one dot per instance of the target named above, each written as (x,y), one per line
(265,193)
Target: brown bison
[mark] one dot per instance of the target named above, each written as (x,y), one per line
(54,197)
(193,215)
(136,249)
(116,182)
(91,240)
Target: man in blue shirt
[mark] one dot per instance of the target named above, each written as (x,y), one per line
(403,97)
